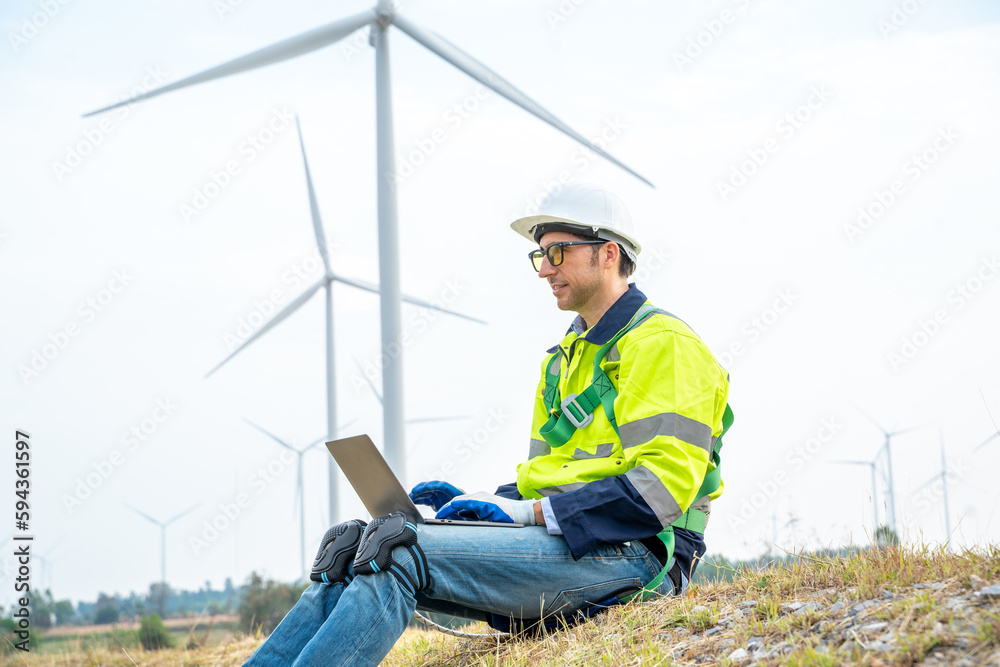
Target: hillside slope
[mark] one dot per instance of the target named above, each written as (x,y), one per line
(884,607)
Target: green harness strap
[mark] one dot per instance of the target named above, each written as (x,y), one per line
(576,410)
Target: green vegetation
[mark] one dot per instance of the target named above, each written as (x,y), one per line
(153,634)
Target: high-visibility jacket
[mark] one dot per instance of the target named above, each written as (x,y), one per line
(608,487)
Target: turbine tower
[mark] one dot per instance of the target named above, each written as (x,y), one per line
(163,535)
(872,465)
(380,18)
(326,281)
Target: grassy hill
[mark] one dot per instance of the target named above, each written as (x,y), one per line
(886,607)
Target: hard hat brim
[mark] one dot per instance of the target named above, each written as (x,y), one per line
(525,227)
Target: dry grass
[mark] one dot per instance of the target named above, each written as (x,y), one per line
(946,624)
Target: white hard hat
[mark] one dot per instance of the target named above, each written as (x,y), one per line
(585,207)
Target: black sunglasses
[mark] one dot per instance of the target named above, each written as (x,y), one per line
(555,252)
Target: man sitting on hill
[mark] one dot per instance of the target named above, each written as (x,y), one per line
(622,467)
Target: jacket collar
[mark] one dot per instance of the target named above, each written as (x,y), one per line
(618,316)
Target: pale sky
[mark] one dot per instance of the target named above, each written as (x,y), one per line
(824,217)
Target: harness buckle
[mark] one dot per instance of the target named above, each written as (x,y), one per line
(575,412)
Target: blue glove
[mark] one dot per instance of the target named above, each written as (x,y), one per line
(482,506)
(436,494)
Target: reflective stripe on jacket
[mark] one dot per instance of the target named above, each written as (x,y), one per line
(671,397)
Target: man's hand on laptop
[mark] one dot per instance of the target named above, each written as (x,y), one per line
(434,493)
(482,506)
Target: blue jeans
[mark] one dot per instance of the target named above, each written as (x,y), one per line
(474,570)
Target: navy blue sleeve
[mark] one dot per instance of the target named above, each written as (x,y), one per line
(509,491)
(605,511)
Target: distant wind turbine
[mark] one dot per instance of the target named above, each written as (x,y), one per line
(299,489)
(380,18)
(943,477)
(891,487)
(163,534)
(326,281)
(872,465)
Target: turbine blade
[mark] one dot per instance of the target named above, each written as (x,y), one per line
(314,205)
(187,511)
(270,435)
(986,441)
(480,72)
(140,512)
(369,381)
(421,420)
(868,417)
(285,312)
(288,48)
(371,287)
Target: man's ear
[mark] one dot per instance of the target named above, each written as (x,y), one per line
(611,252)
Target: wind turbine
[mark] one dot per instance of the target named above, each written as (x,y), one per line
(870,464)
(163,535)
(45,572)
(891,489)
(943,476)
(299,490)
(380,18)
(326,281)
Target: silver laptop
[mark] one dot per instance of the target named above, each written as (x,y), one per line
(378,487)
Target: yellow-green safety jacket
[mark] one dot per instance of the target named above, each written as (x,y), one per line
(608,485)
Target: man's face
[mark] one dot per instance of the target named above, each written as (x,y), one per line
(578,278)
